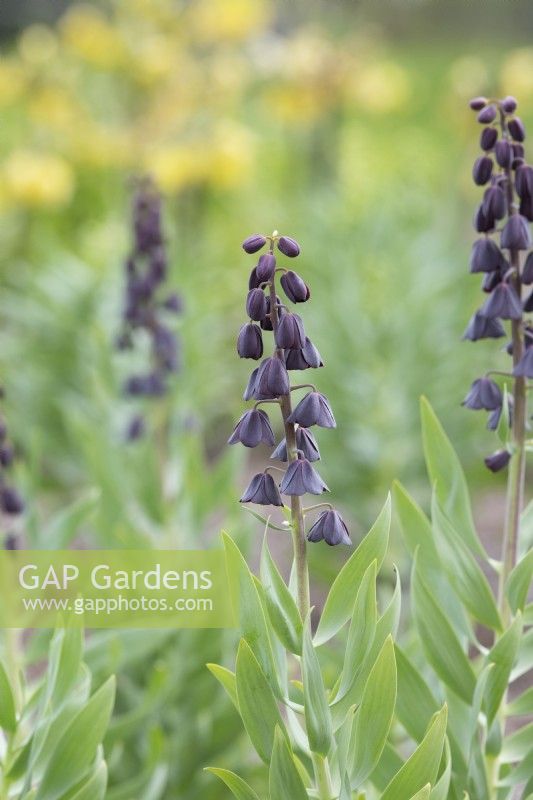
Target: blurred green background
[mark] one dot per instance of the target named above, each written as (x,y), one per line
(344,125)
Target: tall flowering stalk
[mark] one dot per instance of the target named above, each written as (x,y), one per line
(503,219)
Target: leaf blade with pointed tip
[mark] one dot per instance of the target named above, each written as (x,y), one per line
(317,713)
(282,609)
(8,716)
(237,786)
(284,779)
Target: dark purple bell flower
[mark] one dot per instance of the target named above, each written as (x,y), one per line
(151,385)
(294,287)
(329,527)
(256,304)
(524,181)
(262,491)
(495,416)
(313,409)
(488,138)
(486,256)
(272,379)
(526,208)
(290,333)
(6,455)
(494,204)
(266,267)
(484,393)
(165,347)
(250,341)
(305,441)
(253,429)
(509,104)
(482,170)
(487,115)
(518,150)
(477,103)
(266,323)
(301,478)
(524,368)
(503,153)
(528,303)
(11,542)
(253,281)
(498,460)
(3,429)
(250,386)
(516,128)
(136,428)
(10,501)
(173,303)
(289,247)
(491,280)
(503,302)
(516,235)
(254,243)
(483,223)
(481,327)
(307,357)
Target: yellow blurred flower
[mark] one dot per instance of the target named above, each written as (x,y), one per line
(517,73)
(468,77)
(101,147)
(154,58)
(52,107)
(12,81)
(381,87)
(178,166)
(294,103)
(38,44)
(231,155)
(218,20)
(37,180)
(88,33)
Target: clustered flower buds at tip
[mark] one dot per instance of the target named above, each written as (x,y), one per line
(509,194)
(330,528)
(144,309)
(11,502)
(293,350)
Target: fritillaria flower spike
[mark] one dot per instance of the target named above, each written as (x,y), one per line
(148,305)
(292,351)
(11,503)
(501,255)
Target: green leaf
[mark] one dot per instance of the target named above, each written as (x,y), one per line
(522,705)
(257,703)
(517,745)
(441,645)
(284,777)
(8,716)
(66,650)
(441,789)
(423,766)
(374,716)
(415,527)
(76,748)
(247,604)
(94,788)
(446,473)
(502,656)
(464,573)
(317,713)
(423,794)
(362,629)
(415,703)
(282,609)
(226,678)
(235,784)
(518,583)
(340,601)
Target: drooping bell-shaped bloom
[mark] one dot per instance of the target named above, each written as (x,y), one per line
(503,303)
(330,528)
(484,394)
(486,256)
(262,490)
(253,429)
(498,460)
(527,272)
(524,368)
(482,170)
(272,379)
(265,267)
(250,341)
(256,304)
(301,478)
(250,386)
(313,409)
(481,327)
(290,333)
(515,234)
(305,442)
(10,501)
(305,358)
(294,287)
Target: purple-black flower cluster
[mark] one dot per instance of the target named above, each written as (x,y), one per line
(11,503)
(501,254)
(270,383)
(148,304)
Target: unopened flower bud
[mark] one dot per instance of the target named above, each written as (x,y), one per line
(301,478)
(516,235)
(290,333)
(330,528)
(509,104)
(482,170)
(262,491)
(487,115)
(503,153)
(486,256)
(265,267)
(494,203)
(256,304)
(288,246)
(488,138)
(253,429)
(11,542)
(272,379)
(294,287)
(254,243)
(484,394)
(503,303)
(10,501)
(498,460)
(516,129)
(6,455)
(524,181)
(477,103)
(483,223)
(250,341)
(313,409)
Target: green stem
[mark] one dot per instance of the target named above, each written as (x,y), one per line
(322,777)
